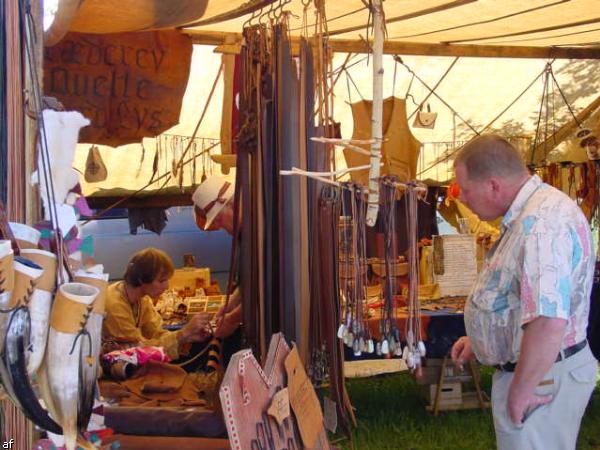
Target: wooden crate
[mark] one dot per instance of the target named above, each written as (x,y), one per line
(456,388)
(430,373)
(450,394)
(469,400)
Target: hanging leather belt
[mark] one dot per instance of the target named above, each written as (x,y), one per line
(564,354)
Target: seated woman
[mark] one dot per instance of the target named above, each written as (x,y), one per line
(130,315)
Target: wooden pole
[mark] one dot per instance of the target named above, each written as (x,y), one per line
(415,48)
(377,113)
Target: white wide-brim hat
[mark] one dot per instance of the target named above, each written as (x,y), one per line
(211,196)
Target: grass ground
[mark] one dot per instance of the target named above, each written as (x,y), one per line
(391,415)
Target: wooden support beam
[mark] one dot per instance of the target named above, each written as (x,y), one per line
(233,41)
(565,131)
(150,201)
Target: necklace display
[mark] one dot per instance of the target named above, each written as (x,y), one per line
(353,274)
(390,333)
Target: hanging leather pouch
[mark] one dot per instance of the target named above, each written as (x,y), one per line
(95,170)
(425,119)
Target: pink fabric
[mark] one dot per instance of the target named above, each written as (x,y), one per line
(137,355)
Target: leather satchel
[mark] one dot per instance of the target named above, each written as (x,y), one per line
(425,119)
(95,170)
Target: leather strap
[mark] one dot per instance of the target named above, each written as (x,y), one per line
(564,354)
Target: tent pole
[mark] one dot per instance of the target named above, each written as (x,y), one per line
(377,113)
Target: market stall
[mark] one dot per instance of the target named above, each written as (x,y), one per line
(334,227)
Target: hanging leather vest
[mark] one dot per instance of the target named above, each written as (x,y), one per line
(400,149)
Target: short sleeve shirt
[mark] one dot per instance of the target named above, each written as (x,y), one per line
(541,265)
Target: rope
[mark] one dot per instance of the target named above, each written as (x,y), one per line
(432,91)
(151,182)
(450,154)
(349,77)
(210,96)
(562,94)
(539,119)
(28,24)
(396,57)
(179,164)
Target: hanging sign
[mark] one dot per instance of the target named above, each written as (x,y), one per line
(130,85)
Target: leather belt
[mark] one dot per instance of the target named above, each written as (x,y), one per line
(564,354)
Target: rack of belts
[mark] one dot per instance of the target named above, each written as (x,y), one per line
(287,267)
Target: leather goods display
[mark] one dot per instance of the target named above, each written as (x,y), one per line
(400,149)
(280,246)
(246,394)
(425,119)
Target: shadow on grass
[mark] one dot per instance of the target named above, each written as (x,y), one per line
(391,415)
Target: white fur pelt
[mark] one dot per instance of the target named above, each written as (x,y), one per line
(62,132)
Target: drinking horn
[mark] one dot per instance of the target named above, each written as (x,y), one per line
(69,348)
(39,305)
(89,372)
(15,328)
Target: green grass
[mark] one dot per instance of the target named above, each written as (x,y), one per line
(391,415)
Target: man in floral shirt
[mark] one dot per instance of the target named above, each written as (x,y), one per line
(527,313)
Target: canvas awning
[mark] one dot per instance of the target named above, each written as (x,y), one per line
(434,27)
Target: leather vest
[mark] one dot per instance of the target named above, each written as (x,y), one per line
(400,149)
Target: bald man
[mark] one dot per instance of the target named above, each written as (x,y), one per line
(527,314)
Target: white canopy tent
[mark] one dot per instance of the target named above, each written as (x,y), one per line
(525,35)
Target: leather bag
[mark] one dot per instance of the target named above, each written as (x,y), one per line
(95,170)
(425,119)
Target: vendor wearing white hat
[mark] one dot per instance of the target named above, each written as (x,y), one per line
(213,210)
(213,205)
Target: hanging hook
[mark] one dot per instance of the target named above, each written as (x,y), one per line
(279,10)
(265,14)
(248,22)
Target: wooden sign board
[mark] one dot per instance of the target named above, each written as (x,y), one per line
(130,85)
(303,399)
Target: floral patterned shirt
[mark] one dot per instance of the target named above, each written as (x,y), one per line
(541,265)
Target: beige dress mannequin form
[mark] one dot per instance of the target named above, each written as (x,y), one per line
(400,149)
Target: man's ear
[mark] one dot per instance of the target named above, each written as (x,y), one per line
(495,184)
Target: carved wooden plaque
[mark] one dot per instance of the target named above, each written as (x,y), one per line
(130,85)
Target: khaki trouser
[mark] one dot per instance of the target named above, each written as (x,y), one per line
(553,426)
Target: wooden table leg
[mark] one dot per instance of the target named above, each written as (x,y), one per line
(438,391)
(475,375)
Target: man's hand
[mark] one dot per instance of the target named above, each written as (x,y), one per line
(228,322)
(461,352)
(542,338)
(196,330)
(226,326)
(520,404)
